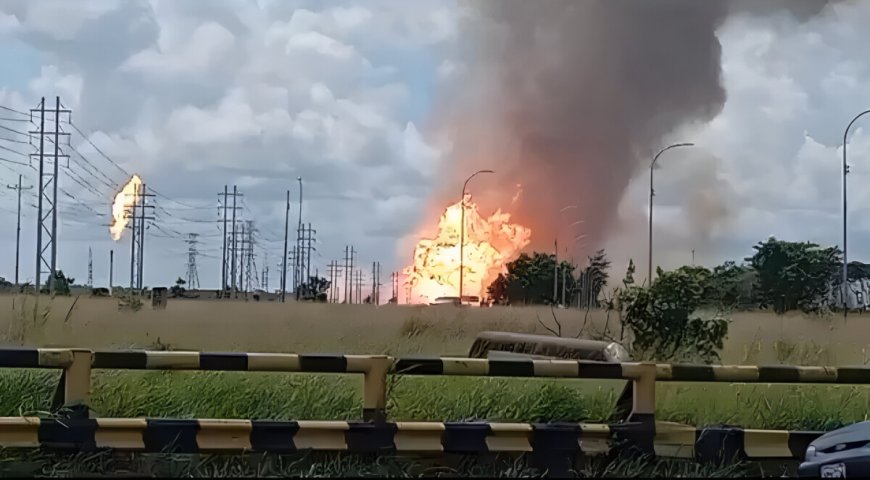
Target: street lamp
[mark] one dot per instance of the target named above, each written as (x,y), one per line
(651,193)
(845,278)
(462,232)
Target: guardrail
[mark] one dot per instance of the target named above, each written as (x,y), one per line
(638,428)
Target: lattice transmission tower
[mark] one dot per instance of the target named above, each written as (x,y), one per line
(192,253)
(49,157)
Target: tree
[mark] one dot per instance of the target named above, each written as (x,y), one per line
(530,280)
(593,279)
(794,275)
(731,286)
(661,320)
(178,289)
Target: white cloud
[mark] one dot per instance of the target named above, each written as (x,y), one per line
(51,80)
(207,45)
(62,19)
(8,23)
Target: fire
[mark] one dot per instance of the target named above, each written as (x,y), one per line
(124,201)
(490,243)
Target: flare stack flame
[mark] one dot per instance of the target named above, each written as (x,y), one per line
(124,201)
(490,243)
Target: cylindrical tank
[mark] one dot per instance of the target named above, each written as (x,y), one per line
(544,346)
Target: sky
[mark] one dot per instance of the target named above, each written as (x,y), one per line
(196,95)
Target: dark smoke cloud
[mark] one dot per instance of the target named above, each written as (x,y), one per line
(571,97)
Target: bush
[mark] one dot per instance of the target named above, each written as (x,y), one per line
(662,319)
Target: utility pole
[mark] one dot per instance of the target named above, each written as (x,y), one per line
(564,284)
(90,268)
(137,216)
(235,290)
(334,273)
(133,214)
(249,257)
(378,283)
(111,270)
(265,282)
(192,252)
(308,254)
(141,197)
(241,261)
(284,262)
(291,259)
(46,219)
(349,287)
(223,203)
(18,189)
(346,263)
(297,275)
(299,261)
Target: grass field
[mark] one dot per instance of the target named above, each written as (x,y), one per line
(98,323)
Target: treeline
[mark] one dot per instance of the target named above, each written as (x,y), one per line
(780,275)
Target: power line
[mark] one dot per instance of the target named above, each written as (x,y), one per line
(88,139)
(13,110)
(14,161)
(14,131)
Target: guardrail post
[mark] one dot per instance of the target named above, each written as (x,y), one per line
(375,389)
(75,383)
(638,432)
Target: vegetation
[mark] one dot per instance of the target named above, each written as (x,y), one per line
(530,279)
(62,283)
(662,320)
(780,275)
(794,275)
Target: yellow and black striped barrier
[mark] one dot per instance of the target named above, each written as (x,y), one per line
(374,368)
(210,436)
(730,443)
(639,428)
(762,374)
(236,436)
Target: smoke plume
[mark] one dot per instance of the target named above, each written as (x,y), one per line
(570,98)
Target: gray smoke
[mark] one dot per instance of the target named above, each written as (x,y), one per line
(571,97)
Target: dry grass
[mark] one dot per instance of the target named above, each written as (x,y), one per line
(754,338)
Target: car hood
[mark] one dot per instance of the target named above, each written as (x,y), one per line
(853,436)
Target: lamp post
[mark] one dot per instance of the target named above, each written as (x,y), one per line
(845,278)
(462,232)
(651,194)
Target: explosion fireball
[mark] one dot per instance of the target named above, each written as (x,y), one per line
(124,201)
(490,243)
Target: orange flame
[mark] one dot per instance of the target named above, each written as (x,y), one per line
(123,204)
(490,243)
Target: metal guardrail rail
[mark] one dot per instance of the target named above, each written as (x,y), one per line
(638,428)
